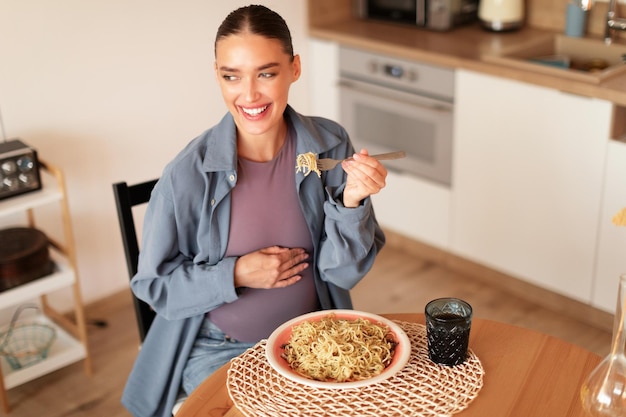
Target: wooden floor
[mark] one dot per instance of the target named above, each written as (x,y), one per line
(399,282)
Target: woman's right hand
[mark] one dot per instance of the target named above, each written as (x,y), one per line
(366,176)
(272,267)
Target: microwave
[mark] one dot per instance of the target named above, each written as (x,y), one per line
(439,15)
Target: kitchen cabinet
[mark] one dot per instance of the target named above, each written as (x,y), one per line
(70,345)
(528,175)
(415,208)
(611,258)
(323,68)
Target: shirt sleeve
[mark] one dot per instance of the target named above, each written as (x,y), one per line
(351,237)
(174,284)
(352,240)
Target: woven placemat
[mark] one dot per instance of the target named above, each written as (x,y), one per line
(421,388)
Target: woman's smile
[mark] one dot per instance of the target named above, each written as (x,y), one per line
(254,112)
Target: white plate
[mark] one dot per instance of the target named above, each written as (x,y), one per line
(280,337)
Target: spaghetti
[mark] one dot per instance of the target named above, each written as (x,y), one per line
(339,350)
(307,163)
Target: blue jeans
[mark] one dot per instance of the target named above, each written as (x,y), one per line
(210,351)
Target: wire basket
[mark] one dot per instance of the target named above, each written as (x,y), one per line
(25,344)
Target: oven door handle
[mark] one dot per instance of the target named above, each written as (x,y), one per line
(411,98)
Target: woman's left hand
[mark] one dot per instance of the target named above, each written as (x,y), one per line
(366,176)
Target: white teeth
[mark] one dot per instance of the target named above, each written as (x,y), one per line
(254,112)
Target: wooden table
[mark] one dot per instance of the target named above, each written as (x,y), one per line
(527,374)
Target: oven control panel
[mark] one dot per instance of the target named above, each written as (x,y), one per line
(397,73)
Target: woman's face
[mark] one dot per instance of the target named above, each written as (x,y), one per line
(254,74)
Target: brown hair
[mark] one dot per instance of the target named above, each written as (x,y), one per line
(257,20)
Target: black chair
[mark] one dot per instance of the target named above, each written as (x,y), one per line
(127,197)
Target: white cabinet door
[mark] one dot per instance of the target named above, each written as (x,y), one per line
(528,173)
(323,67)
(612,239)
(415,208)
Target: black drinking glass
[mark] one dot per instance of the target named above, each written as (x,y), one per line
(448,323)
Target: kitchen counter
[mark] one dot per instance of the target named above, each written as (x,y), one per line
(464,47)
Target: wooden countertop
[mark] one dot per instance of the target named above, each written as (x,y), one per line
(463,48)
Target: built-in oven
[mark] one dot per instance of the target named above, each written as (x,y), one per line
(390,104)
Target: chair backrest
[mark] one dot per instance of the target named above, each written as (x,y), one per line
(126,197)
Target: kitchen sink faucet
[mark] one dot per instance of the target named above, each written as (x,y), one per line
(613,22)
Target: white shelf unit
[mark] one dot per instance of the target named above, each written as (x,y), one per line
(70,345)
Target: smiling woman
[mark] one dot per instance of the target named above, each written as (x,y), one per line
(235,242)
(254,74)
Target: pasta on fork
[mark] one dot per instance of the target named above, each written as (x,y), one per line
(307,163)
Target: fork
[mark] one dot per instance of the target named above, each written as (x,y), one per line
(326,164)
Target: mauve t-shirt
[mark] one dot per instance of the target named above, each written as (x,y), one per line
(265,211)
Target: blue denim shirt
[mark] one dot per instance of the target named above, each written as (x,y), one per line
(182,271)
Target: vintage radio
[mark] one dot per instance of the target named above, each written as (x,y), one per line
(19,169)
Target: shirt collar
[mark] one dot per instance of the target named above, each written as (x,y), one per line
(221,150)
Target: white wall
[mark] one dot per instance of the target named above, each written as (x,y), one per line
(111,90)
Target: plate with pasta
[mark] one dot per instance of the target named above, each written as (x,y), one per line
(338,349)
